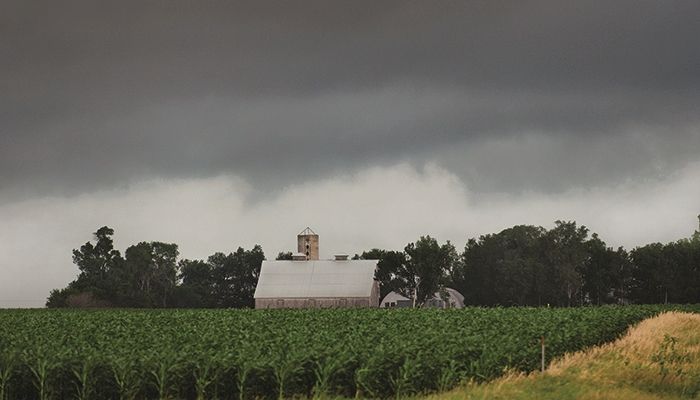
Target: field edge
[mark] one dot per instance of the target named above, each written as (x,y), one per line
(659,358)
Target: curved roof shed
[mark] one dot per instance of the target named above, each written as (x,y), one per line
(454,300)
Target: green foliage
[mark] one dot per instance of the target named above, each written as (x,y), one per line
(58,298)
(418,272)
(235,276)
(667,273)
(7,365)
(389,263)
(150,276)
(669,359)
(284,255)
(528,265)
(519,266)
(245,354)
(425,269)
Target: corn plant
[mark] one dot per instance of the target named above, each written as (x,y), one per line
(362,385)
(125,378)
(450,376)
(243,370)
(163,377)
(7,365)
(205,375)
(284,369)
(83,375)
(402,382)
(324,370)
(41,369)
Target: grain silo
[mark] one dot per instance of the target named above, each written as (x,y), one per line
(307,243)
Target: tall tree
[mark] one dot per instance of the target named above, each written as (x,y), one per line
(388,264)
(164,270)
(606,274)
(504,268)
(667,273)
(651,274)
(235,276)
(426,267)
(151,273)
(94,284)
(196,287)
(566,257)
(95,262)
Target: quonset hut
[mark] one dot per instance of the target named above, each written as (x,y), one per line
(307,282)
(450,299)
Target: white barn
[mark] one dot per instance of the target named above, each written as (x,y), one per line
(317,284)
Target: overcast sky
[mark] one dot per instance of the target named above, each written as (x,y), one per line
(223,124)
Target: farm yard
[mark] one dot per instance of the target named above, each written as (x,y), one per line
(240,354)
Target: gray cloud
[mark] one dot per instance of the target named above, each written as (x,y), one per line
(99,95)
(222,124)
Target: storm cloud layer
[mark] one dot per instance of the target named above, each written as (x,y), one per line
(546,109)
(98,94)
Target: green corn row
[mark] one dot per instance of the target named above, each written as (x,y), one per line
(247,354)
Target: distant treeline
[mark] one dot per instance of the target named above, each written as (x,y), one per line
(523,265)
(149,275)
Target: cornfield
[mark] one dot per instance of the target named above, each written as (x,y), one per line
(245,354)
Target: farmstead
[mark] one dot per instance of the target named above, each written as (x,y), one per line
(307,282)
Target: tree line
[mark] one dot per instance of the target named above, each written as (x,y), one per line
(520,266)
(149,275)
(531,266)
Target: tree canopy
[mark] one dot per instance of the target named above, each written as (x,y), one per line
(529,265)
(150,275)
(523,265)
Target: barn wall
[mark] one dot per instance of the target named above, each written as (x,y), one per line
(351,302)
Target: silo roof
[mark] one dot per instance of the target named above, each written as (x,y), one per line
(315,278)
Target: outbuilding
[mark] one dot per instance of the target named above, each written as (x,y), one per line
(450,299)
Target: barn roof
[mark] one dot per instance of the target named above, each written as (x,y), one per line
(316,278)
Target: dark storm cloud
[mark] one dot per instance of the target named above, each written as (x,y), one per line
(280,92)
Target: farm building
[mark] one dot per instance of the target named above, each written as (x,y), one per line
(454,299)
(308,282)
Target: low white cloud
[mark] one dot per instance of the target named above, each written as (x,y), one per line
(383,207)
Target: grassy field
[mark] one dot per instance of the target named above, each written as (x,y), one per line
(245,354)
(657,359)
